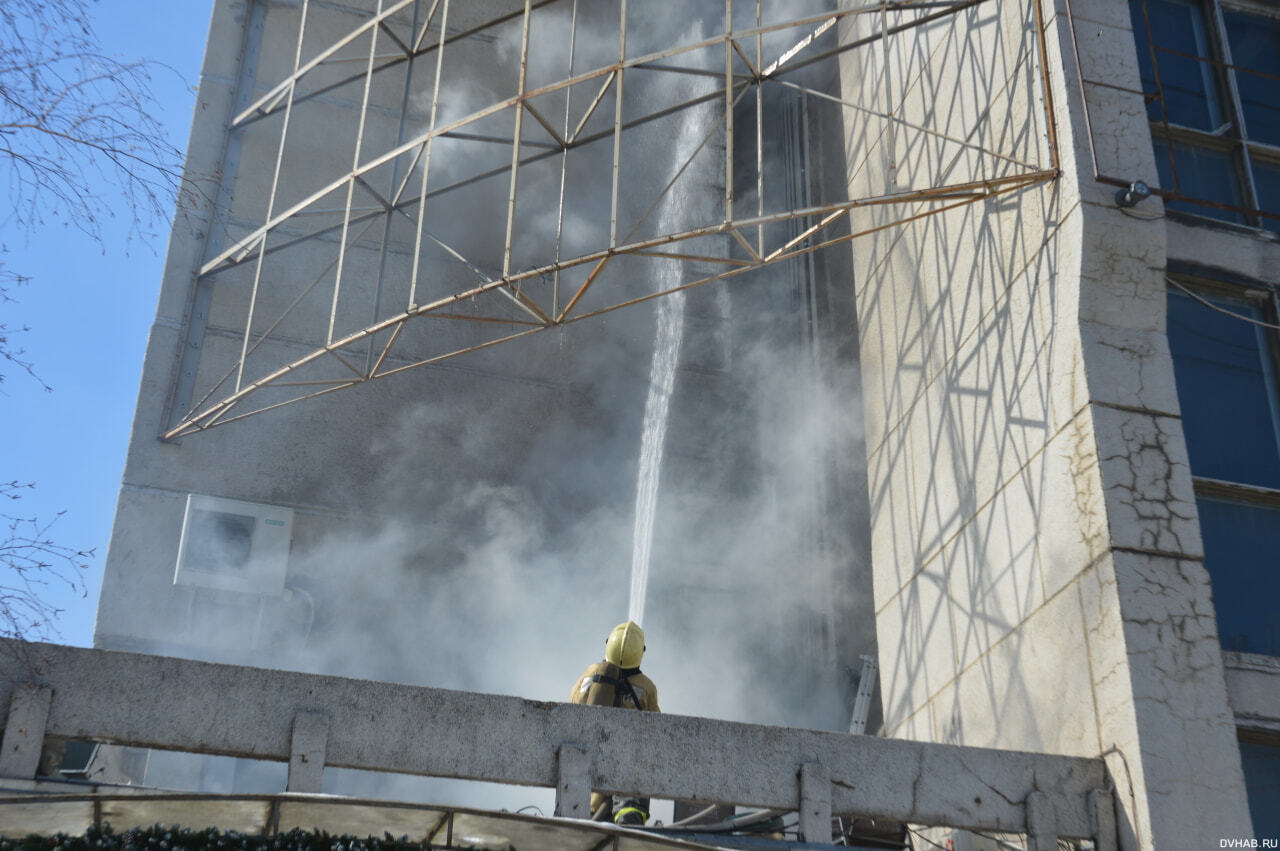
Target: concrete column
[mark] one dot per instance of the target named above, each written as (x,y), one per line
(573,786)
(307,750)
(24,731)
(1038,574)
(815,802)
(1042,823)
(1103,804)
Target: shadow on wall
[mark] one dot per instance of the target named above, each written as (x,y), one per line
(981,455)
(966,433)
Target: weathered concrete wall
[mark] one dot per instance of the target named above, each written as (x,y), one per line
(1039,580)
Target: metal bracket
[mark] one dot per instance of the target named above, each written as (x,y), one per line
(866,689)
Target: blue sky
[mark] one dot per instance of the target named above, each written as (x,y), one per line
(89,308)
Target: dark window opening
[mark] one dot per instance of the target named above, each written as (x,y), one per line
(1201,173)
(1267,177)
(1211,76)
(1224,357)
(1240,544)
(1255,51)
(1191,95)
(1260,758)
(1226,377)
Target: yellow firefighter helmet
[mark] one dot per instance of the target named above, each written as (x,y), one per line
(625,645)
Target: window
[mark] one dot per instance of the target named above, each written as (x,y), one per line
(1260,758)
(1224,358)
(1211,75)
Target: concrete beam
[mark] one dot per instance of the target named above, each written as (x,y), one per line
(152,701)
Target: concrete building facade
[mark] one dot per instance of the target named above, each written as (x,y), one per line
(1040,577)
(418,517)
(1049,532)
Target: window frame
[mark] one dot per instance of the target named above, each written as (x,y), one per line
(1232,136)
(1267,297)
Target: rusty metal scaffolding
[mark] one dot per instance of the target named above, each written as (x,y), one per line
(458,104)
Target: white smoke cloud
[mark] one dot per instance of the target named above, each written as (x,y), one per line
(498,553)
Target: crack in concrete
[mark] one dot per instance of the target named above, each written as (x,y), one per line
(1010,801)
(1083,462)
(1142,479)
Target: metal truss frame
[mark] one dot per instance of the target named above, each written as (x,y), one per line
(551,293)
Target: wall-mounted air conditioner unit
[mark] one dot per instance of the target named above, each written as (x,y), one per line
(233,545)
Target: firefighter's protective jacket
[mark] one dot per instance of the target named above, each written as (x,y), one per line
(605,684)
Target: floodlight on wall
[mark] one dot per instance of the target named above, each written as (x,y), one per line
(1136,193)
(232,545)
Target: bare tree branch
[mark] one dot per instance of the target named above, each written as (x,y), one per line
(80,143)
(32,562)
(79,139)
(9,350)
(79,136)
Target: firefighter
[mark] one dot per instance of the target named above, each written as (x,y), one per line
(617,681)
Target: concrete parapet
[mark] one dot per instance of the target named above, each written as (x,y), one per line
(151,701)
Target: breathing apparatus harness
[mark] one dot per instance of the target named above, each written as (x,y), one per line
(618,679)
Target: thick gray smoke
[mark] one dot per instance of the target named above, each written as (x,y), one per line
(497,553)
